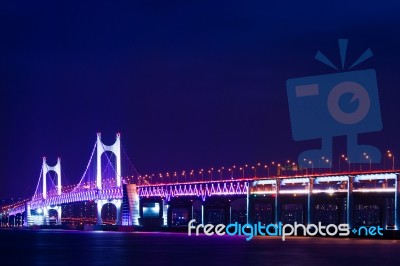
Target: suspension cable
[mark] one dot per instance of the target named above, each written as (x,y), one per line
(87,167)
(37,186)
(129,159)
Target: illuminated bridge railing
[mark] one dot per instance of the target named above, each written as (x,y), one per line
(374,183)
(16,210)
(105,194)
(202,190)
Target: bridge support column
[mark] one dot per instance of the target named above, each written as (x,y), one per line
(165,208)
(118,204)
(134,203)
(310,201)
(277,209)
(99,204)
(248,204)
(397,203)
(27,221)
(59,213)
(384,214)
(202,213)
(349,202)
(45,216)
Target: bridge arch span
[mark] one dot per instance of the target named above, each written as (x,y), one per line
(109,210)
(109,213)
(54,214)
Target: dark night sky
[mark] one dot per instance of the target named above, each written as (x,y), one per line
(189,84)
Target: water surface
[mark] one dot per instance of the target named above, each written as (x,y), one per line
(52,247)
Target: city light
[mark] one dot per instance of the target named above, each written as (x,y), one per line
(391,155)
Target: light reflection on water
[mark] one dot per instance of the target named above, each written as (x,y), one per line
(46,247)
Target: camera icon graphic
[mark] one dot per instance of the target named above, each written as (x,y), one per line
(338,104)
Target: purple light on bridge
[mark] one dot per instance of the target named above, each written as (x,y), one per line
(197,190)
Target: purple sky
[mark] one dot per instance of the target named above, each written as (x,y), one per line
(192,84)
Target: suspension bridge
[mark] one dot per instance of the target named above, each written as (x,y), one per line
(101,182)
(355,198)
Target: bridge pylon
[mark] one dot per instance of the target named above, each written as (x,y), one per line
(116,149)
(45,169)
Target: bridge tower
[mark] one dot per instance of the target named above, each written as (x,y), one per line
(116,149)
(45,169)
